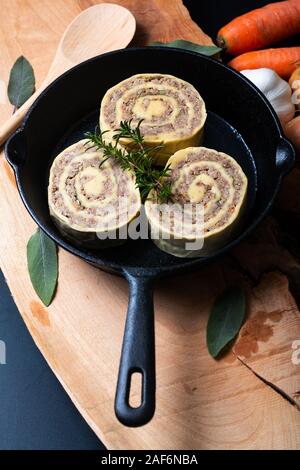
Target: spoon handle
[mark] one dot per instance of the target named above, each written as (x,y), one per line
(9,126)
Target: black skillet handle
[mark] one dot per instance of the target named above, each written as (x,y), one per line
(138,354)
(285,156)
(15,149)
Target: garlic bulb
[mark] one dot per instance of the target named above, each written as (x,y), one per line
(277,91)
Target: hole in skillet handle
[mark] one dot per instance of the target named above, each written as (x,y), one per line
(285,156)
(136,387)
(138,354)
(15,149)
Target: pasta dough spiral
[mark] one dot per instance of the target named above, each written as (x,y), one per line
(172,110)
(206,179)
(90,199)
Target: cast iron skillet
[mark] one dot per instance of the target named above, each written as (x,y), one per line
(240,122)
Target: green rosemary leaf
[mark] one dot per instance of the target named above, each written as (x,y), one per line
(139,159)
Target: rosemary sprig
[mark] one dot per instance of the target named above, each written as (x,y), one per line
(138,159)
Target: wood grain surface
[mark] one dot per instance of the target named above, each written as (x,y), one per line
(115,27)
(249,398)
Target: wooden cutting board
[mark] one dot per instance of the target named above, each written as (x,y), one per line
(247,399)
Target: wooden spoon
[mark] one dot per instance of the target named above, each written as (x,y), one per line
(98,29)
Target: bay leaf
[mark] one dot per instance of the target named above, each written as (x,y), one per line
(42,265)
(21,82)
(225,320)
(190,46)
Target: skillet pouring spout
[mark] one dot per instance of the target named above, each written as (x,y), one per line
(15,149)
(285,156)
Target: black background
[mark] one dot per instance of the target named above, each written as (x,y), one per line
(211,15)
(35,412)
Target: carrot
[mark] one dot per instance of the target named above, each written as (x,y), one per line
(261,28)
(284,60)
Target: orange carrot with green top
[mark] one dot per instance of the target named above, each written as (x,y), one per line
(261,28)
(284,60)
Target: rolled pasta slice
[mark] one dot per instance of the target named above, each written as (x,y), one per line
(90,200)
(208,196)
(172,110)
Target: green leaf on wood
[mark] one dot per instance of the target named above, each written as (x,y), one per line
(225,320)
(190,46)
(21,82)
(42,265)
